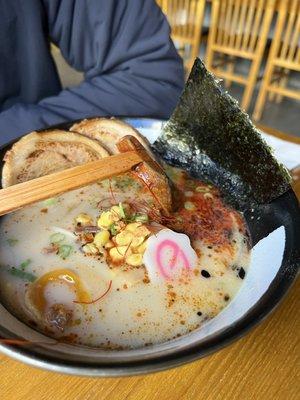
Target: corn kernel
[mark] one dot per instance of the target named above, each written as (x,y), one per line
(143,218)
(105,220)
(142,231)
(119,225)
(123,250)
(142,248)
(123,238)
(90,248)
(101,238)
(118,253)
(137,241)
(134,259)
(132,227)
(115,254)
(109,244)
(84,219)
(116,213)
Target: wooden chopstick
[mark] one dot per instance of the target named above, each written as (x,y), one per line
(22,194)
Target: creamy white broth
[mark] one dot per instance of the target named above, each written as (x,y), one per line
(134,312)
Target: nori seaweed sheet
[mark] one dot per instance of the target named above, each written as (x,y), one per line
(209,136)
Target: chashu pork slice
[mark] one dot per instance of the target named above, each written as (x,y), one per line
(42,153)
(108,131)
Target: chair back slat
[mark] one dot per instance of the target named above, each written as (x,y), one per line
(294,40)
(186,31)
(219,21)
(248,25)
(185,18)
(227,21)
(193,9)
(240,23)
(239,28)
(297,58)
(257,25)
(182,17)
(237,7)
(284,56)
(285,38)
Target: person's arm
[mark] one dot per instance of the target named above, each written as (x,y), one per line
(131,67)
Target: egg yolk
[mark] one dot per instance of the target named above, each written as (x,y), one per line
(67,277)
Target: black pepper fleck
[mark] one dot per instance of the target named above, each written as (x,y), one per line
(205,273)
(199,313)
(242,273)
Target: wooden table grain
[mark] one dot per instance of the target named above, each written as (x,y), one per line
(263,365)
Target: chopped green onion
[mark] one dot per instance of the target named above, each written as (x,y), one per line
(64,251)
(22,274)
(143,218)
(122,212)
(57,237)
(105,183)
(123,183)
(25,264)
(113,229)
(50,202)
(130,218)
(12,242)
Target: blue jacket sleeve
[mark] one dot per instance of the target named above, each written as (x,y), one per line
(123,47)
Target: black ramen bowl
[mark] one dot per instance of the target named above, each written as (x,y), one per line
(274,230)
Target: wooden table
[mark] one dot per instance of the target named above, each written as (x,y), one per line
(264,365)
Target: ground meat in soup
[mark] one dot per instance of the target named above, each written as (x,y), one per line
(58,317)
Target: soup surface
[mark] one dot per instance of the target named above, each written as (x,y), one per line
(97,267)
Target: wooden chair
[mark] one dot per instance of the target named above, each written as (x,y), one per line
(284,56)
(239,28)
(185,18)
(160,3)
